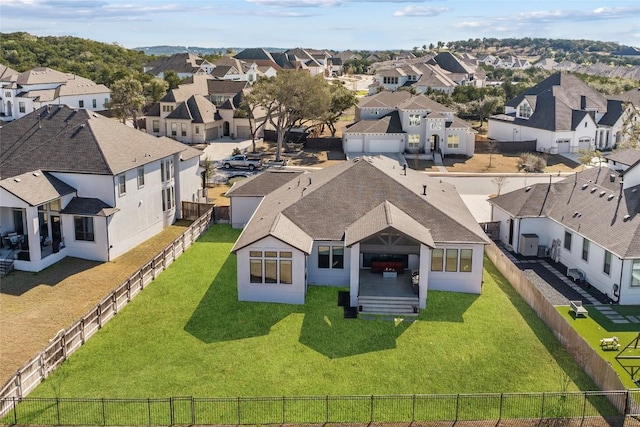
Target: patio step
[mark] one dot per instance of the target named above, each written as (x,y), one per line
(6,266)
(402,306)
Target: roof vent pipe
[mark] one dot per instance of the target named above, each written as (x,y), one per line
(424,189)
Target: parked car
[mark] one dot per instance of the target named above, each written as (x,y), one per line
(241,161)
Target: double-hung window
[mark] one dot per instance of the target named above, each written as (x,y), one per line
(607,263)
(141,177)
(585,249)
(122,185)
(567,241)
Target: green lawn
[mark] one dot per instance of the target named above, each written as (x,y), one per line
(187,335)
(596,326)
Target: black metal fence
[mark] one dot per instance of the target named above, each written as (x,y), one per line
(321,409)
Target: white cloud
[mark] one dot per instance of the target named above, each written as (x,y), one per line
(420,11)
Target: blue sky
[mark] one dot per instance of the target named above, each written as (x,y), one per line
(326,24)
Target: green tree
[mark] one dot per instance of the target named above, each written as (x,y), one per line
(155,89)
(172,79)
(486,106)
(291,98)
(127,100)
(341,100)
(250,104)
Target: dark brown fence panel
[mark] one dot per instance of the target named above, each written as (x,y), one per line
(507,147)
(324,144)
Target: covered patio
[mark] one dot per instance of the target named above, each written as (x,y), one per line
(375,284)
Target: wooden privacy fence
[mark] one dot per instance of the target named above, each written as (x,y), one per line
(67,341)
(595,366)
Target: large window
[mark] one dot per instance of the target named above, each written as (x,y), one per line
(166,170)
(414,141)
(122,185)
(437,259)
(94,103)
(270,266)
(390,80)
(466,260)
(331,257)
(414,119)
(156,126)
(524,111)
(635,273)
(141,177)
(607,262)
(453,141)
(83,226)
(81,103)
(21,107)
(168,200)
(567,241)
(174,129)
(452,260)
(585,249)
(183,129)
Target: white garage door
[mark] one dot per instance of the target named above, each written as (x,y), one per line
(382,146)
(244,132)
(211,134)
(563,146)
(353,144)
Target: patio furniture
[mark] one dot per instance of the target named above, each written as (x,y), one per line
(577,308)
(576,275)
(610,343)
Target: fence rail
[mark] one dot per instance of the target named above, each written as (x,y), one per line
(67,341)
(321,409)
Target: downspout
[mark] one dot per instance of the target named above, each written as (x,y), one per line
(106,223)
(618,286)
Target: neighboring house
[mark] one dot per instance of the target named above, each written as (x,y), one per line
(231,68)
(292,59)
(443,72)
(399,122)
(589,221)
(189,112)
(546,64)
(621,160)
(22,93)
(87,186)
(348,55)
(563,114)
(363,224)
(184,64)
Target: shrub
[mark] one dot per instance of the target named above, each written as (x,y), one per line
(532,162)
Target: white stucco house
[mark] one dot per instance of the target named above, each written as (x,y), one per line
(86,186)
(365,224)
(399,122)
(22,93)
(184,64)
(563,114)
(201,110)
(588,221)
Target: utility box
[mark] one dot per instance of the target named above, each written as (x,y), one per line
(529,245)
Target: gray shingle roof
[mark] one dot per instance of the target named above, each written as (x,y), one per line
(556,101)
(262,183)
(389,123)
(628,157)
(583,203)
(325,203)
(60,139)
(88,206)
(36,187)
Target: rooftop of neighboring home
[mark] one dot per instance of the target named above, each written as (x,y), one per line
(380,195)
(61,84)
(560,102)
(627,156)
(6,73)
(591,203)
(179,62)
(402,100)
(61,139)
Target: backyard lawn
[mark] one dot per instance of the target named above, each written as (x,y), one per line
(187,335)
(596,326)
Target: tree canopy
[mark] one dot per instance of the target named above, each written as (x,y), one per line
(291,98)
(127,100)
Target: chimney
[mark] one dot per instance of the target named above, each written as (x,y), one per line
(583,102)
(424,189)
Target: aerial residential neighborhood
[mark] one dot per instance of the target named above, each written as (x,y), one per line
(285,233)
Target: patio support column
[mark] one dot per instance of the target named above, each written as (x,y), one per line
(33,233)
(354,274)
(423,284)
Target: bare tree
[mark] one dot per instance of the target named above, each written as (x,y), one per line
(499,182)
(493,147)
